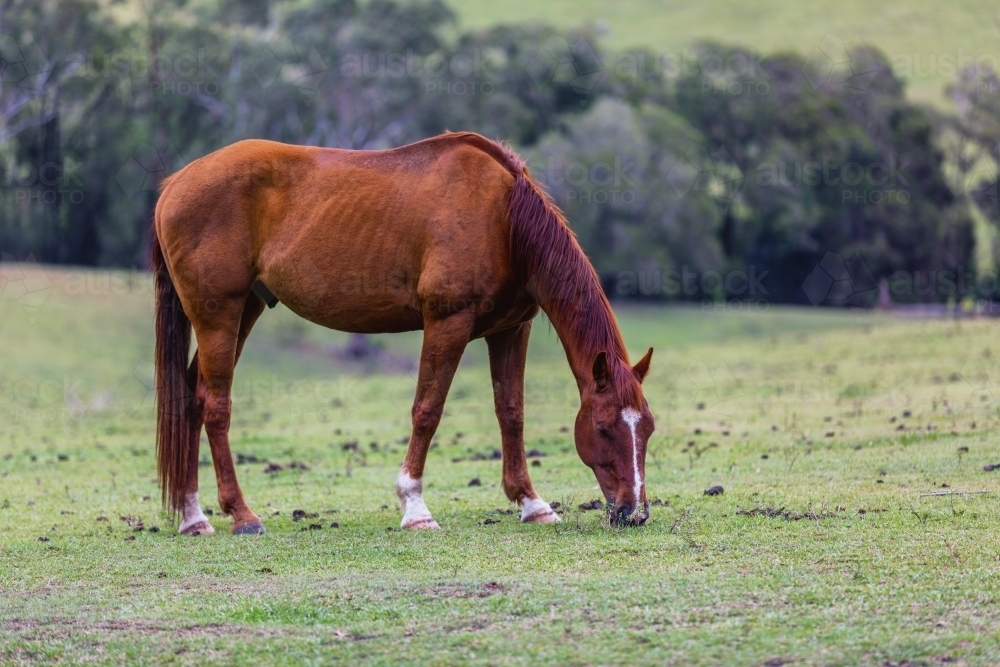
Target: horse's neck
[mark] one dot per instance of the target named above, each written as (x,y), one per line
(575,303)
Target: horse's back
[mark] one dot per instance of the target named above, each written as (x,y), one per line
(354,240)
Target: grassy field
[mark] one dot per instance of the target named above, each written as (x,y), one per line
(826,430)
(924,39)
(919,36)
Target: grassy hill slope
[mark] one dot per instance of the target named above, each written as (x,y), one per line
(916,34)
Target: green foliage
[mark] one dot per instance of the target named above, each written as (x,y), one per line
(608,169)
(725,161)
(64,129)
(831,164)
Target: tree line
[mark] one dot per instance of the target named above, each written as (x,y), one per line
(717,173)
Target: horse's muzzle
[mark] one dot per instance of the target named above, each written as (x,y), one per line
(629,515)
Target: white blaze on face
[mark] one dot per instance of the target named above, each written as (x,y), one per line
(631,416)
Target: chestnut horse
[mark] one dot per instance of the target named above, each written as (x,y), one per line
(457,239)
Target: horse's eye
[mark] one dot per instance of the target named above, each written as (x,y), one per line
(605,433)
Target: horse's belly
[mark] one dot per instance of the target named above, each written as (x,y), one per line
(347,290)
(370,314)
(370,321)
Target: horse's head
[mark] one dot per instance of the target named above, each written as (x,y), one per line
(611,435)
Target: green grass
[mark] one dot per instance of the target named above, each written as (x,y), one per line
(804,406)
(914,34)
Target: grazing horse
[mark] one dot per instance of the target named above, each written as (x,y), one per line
(450,235)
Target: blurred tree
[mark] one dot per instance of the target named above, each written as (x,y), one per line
(516,82)
(47,102)
(833,162)
(974,137)
(628,180)
(718,163)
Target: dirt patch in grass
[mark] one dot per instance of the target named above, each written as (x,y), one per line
(62,628)
(787,515)
(464,591)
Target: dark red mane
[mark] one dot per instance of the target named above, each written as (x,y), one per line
(558,273)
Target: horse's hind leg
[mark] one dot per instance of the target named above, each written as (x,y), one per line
(194,521)
(444,342)
(508,351)
(220,339)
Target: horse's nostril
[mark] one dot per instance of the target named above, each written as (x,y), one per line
(622,513)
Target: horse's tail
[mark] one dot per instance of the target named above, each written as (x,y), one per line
(173,388)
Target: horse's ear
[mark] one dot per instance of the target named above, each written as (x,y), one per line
(602,374)
(642,368)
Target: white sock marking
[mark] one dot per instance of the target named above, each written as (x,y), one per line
(534,506)
(192,512)
(631,416)
(411,498)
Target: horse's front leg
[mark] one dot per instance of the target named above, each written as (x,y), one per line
(508,351)
(444,341)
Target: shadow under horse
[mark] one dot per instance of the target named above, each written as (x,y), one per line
(450,235)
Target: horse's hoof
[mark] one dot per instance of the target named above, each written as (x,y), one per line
(249,528)
(424,523)
(544,516)
(200,528)
(536,510)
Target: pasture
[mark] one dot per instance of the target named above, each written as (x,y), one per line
(959,30)
(902,30)
(825,428)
